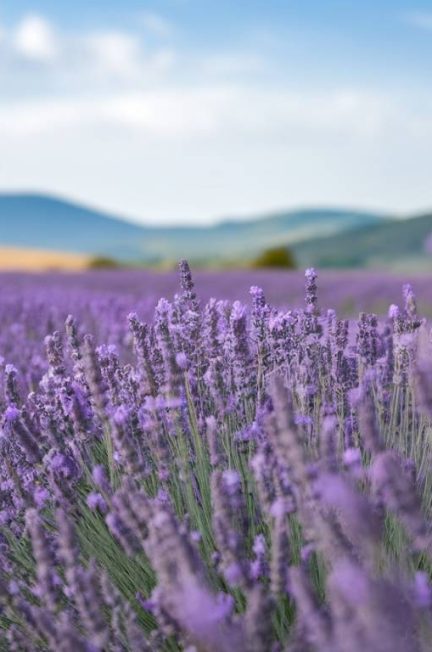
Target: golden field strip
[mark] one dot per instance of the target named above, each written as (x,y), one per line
(38,260)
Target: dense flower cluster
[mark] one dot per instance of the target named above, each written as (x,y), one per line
(217,478)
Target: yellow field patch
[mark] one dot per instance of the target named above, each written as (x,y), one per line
(38,260)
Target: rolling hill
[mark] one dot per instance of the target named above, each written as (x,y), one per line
(399,244)
(44,222)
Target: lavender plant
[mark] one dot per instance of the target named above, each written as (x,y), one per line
(216,478)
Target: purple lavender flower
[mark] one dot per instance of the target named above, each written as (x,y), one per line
(213,477)
(95,501)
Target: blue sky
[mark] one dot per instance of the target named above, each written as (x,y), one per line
(191,110)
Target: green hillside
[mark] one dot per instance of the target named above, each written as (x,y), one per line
(398,244)
(38,221)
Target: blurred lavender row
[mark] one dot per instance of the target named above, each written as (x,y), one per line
(347,291)
(209,475)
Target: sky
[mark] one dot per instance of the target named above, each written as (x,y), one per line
(170,111)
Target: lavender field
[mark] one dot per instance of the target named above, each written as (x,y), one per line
(244,465)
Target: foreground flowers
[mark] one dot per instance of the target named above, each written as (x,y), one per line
(222,480)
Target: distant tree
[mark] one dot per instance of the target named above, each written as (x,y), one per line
(103,262)
(276,257)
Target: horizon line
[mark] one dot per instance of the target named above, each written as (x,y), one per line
(213,222)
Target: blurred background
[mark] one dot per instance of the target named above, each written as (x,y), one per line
(273,133)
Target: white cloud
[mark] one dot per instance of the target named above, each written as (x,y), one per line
(35,39)
(193,111)
(165,114)
(421,19)
(201,152)
(80,61)
(115,53)
(233,64)
(122,121)
(155,24)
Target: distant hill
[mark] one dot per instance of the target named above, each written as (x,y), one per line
(398,244)
(39,221)
(235,239)
(42,222)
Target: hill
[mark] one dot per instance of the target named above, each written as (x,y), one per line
(399,244)
(240,240)
(43,222)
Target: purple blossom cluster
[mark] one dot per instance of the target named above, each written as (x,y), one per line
(215,477)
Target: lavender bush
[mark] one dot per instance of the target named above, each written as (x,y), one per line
(214,478)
